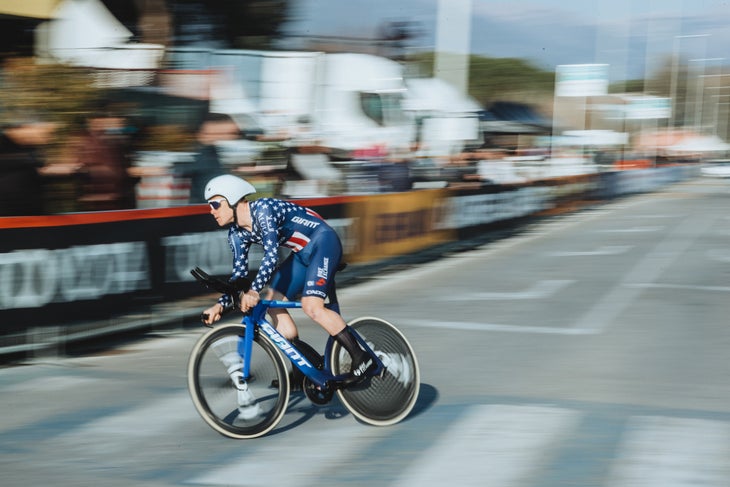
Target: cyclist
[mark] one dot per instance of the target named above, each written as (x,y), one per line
(308,271)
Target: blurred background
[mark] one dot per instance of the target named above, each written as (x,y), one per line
(535,192)
(114,104)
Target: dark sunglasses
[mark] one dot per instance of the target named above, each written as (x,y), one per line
(215,204)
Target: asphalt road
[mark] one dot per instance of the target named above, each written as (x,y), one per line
(588,350)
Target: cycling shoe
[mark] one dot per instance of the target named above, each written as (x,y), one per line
(361,370)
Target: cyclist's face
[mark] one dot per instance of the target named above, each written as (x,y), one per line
(221,210)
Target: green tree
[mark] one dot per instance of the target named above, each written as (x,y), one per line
(256,23)
(504,79)
(670,80)
(52,92)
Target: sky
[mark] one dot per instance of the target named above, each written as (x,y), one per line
(633,36)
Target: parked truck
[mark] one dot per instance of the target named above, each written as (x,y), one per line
(346,102)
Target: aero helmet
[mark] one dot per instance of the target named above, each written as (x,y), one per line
(232,188)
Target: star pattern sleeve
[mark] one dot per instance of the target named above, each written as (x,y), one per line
(266,216)
(240,247)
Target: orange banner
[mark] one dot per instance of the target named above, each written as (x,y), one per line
(388,225)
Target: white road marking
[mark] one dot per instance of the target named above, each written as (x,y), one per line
(606,250)
(471,326)
(631,230)
(605,310)
(50,383)
(538,290)
(721,255)
(114,433)
(722,289)
(492,445)
(651,266)
(278,462)
(535,232)
(673,452)
(653,217)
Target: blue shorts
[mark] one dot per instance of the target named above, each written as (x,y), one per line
(311,271)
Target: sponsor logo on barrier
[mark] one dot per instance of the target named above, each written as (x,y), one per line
(391,227)
(207,250)
(480,209)
(34,278)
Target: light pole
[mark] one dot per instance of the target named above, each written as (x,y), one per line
(675,69)
(699,90)
(716,116)
(717,87)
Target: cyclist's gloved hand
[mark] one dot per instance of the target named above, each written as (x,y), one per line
(212,314)
(249,299)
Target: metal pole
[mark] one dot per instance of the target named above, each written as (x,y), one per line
(675,76)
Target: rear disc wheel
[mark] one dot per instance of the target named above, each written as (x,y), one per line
(386,399)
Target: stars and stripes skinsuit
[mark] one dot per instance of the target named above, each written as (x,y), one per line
(316,250)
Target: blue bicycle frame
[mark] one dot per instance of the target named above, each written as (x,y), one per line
(256,320)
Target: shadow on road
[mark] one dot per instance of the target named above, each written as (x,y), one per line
(300,406)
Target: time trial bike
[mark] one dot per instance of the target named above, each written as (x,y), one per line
(238,373)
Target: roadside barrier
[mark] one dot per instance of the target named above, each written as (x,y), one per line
(71,276)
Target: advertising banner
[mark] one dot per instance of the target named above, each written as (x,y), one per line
(394,224)
(581,80)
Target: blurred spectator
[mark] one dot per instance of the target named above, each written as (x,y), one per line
(103,157)
(207,161)
(20,162)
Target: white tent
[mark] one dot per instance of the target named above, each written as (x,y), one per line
(85,33)
(700,144)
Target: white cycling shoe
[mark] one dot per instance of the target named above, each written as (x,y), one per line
(248,408)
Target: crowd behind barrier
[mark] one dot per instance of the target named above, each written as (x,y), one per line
(74,275)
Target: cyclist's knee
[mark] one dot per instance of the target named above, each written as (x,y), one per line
(286,327)
(279,313)
(313,308)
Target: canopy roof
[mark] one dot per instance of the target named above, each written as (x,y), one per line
(85,33)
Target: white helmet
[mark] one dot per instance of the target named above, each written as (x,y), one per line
(232,188)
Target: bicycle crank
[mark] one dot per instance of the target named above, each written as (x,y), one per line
(317,395)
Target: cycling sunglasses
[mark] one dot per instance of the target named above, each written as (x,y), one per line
(215,204)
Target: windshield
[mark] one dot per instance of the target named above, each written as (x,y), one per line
(384,108)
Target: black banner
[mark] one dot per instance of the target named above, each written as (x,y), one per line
(66,268)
